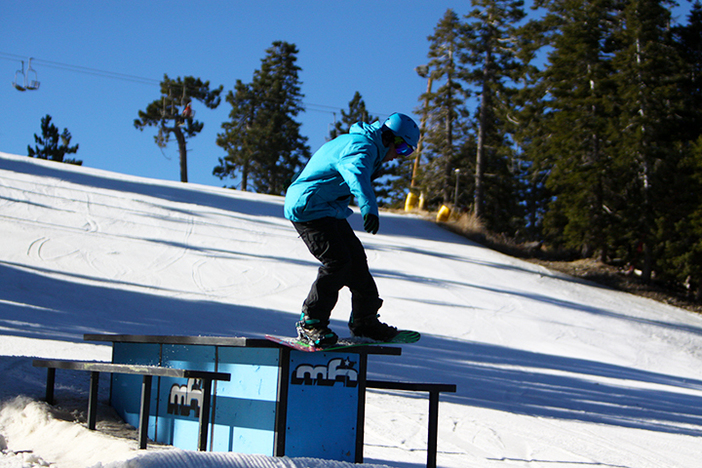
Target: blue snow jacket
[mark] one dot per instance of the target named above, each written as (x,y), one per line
(340,168)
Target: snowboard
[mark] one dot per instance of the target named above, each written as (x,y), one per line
(403,337)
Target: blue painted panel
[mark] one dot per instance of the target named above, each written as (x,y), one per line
(322,406)
(180,399)
(125,396)
(246,405)
(197,357)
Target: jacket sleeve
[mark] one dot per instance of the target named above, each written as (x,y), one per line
(356,167)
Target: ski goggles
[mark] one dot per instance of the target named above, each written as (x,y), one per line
(402,148)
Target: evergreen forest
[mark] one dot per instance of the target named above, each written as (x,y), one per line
(574,124)
(581,128)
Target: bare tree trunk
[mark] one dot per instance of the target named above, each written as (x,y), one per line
(244,176)
(479,198)
(183,150)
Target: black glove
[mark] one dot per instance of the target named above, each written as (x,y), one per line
(371,223)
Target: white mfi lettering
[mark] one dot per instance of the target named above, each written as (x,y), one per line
(183,395)
(337,370)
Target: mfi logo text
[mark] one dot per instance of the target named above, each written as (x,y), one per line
(185,398)
(337,370)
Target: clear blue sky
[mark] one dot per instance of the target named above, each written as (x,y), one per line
(100,62)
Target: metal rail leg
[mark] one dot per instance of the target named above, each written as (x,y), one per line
(92,400)
(144,411)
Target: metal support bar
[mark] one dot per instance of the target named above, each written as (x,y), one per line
(204,415)
(361,414)
(281,409)
(50,379)
(144,411)
(93,399)
(434,391)
(433,437)
(99,366)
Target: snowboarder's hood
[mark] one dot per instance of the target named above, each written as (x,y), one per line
(372,131)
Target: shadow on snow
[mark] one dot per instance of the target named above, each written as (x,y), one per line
(542,385)
(487,376)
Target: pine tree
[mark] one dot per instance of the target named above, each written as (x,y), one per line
(443,109)
(491,70)
(526,123)
(271,149)
(688,40)
(680,250)
(681,259)
(357,113)
(576,152)
(239,139)
(47,146)
(648,78)
(173,114)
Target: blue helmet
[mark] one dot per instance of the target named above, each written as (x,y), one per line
(403,126)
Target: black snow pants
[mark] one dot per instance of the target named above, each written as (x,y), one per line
(344,263)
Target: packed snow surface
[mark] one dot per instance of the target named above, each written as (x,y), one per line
(551,371)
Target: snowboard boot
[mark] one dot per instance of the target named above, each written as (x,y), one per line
(371,327)
(315,332)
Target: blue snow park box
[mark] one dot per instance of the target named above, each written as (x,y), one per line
(323,399)
(278,402)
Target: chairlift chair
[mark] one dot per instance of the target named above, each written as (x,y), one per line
(26,81)
(32,77)
(20,86)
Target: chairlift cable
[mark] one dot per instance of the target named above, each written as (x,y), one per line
(85,70)
(142,80)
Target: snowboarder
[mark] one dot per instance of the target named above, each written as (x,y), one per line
(317,203)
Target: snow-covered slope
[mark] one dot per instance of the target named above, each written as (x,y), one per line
(551,372)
